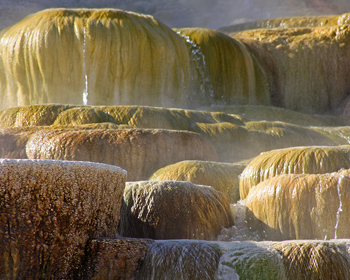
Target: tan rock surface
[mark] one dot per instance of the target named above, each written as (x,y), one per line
(295,160)
(115,258)
(314,260)
(139,151)
(48,212)
(301,206)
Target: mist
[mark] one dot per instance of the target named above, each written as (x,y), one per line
(181,13)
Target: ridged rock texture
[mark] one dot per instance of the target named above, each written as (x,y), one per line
(102,67)
(173,210)
(234,73)
(301,206)
(295,160)
(139,151)
(314,260)
(221,176)
(314,57)
(49,210)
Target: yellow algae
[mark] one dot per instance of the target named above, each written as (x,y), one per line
(306,67)
(221,176)
(196,212)
(233,71)
(292,135)
(296,160)
(49,212)
(271,114)
(34,115)
(341,134)
(97,56)
(139,151)
(232,138)
(289,22)
(82,115)
(301,206)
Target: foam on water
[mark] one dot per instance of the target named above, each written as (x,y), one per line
(241,230)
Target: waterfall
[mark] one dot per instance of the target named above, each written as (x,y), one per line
(199,61)
(340,209)
(86,87)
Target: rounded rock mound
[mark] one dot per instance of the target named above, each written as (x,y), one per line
(301,206)
(173,210)
(295,160)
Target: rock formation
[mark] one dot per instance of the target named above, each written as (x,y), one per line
(301,206)
(295,160)
(221,176)
(49,210)
(173,210)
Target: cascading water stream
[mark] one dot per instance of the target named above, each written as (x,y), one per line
(340,209)
(240,231)
(86,87)
(198,58)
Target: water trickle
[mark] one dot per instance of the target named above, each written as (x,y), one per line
(340,209)
(198,58)
(180,259)
(240,231)
(86,88)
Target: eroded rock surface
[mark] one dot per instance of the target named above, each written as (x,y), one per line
(48,212)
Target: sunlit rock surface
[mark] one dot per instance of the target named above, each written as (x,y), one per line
(290,22)
(173,210)
(273,114)
(301,206)
(139,151)
(101,66)
(48,212)
(315,259)
(295,160)
(234,73)
(233,138)
(221,176)
(315,60)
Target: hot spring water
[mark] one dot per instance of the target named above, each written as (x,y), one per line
(123,58)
